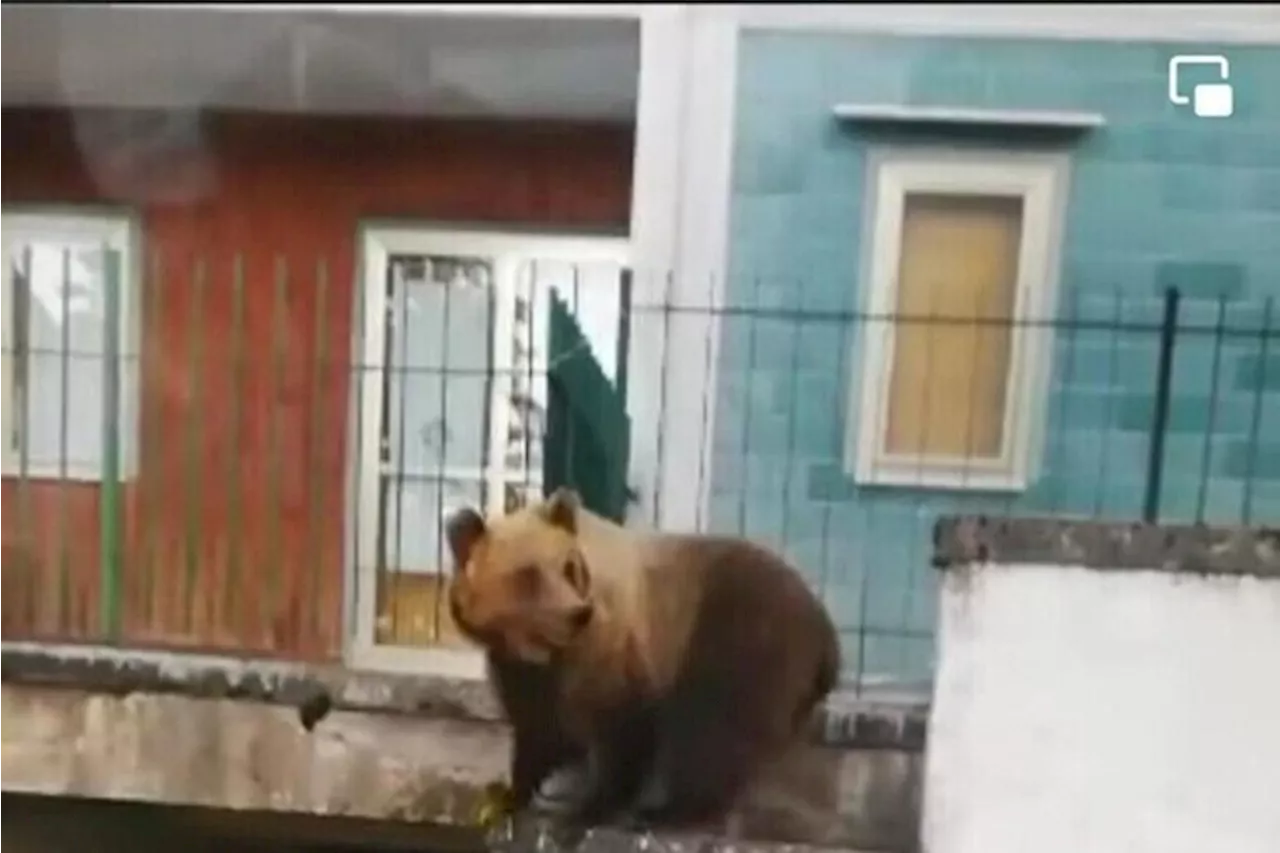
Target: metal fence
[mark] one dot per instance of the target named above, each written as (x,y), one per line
(201,460)
(840,434)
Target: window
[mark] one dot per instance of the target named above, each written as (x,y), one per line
(70,351)
(962,273)
(452,398)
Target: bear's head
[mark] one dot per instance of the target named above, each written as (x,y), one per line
(520,585)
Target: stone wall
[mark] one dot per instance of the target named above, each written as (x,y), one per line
(223,734)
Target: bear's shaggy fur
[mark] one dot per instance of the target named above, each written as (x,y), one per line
(676,664)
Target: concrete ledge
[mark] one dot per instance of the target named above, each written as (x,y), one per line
(842,723)
(1195,549)
(35,824)
(423,771)
(612,841)
(124,671)
(64,824)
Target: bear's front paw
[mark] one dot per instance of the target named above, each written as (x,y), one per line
(562,790)
(497,804)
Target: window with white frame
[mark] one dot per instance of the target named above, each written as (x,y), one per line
(453,400)
(70,345)
(962,254)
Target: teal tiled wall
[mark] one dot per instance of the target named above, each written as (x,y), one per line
(1158,198)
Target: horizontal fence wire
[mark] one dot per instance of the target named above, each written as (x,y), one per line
(248,453)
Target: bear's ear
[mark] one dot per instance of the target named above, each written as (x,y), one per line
(561,509)
(463,530)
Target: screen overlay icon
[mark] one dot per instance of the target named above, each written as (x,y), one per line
(1207,100)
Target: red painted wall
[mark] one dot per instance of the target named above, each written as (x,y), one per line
(215,555)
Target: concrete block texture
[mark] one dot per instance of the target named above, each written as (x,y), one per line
(426,771)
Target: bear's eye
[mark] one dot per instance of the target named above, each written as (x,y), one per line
(527,581)
(576,574)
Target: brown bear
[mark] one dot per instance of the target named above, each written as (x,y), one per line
(677,664)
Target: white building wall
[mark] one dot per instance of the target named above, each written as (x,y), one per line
(1104,711)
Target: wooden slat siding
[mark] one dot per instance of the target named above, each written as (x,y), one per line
(295,187)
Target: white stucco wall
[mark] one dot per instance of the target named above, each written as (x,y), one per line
(1079,710)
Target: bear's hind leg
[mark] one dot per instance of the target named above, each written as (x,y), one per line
(706,754)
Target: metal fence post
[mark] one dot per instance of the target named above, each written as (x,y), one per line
(1160,413)
(621,363)
(109,594)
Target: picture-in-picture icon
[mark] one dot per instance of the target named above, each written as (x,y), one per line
(1207,100)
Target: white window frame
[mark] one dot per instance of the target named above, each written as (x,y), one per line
(117,231)
(378,243)
(1042,181)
